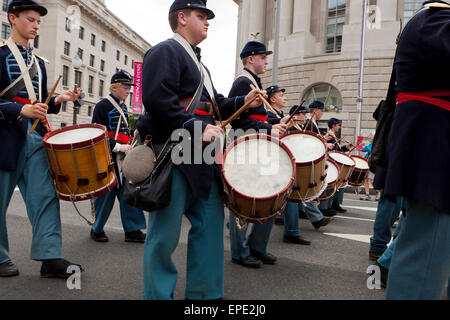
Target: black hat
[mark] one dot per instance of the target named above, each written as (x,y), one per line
(317,105)
(273,89)
(191,4)
(252,48)
(123,77)
(333,121)
(302,109)
(22,5)
(437,1)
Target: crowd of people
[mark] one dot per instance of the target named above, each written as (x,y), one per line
(416,265)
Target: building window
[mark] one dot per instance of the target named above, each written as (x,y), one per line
(64,106)
(132,64)
(65,77)
(93,39)
(5,5)
(6,31)
(89,111)
(68,24)
(410,9)
(81,33)
(335,25)
(92,60)
(80,53)
(36,42)
(103,45)
(102,65)
(78,77)
(118,55)
(326,93)
(91,85)
(66,48)
(100,88)
(126,60)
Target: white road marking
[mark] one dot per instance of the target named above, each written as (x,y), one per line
(356,237)
(362,208)
(354,218)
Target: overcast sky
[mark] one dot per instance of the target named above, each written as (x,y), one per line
(149,19)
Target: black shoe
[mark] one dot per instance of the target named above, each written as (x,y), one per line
(58,268)
(8,269)
(302,215)
(329,212)
(99,237)
(384,275)
(322,223)
(266,258)
(135,236)
(296,240)
(250,262)
(339,209)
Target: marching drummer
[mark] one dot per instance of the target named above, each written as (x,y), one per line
(113,114)
(316,112)
(299,118)
(252,253)
(25,163)
(277,100)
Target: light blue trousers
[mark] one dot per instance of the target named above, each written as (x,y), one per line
(420,266)
(290,216)
(312,212)
(33,178)
(205,251)
(133,219)
(257,240)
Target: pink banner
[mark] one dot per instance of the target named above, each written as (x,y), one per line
(137,93)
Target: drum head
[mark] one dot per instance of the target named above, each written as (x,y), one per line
(305,147)
(75,136)
(258,167)
(332,172)
(361,163)
(342,159)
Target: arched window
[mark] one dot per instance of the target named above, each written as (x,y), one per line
(326,93)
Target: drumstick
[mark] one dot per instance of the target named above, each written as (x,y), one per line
(238,113)
(309,122)
(266,102)
(46,102)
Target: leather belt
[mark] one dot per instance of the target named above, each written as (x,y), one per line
(204,108)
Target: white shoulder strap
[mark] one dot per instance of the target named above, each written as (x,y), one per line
(119,109)
(24,70)
(244,73)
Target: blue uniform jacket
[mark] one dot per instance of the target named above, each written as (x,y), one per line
(170,75)
(419,141)
(12,129)
(241,87)
(106,114)
(273,118)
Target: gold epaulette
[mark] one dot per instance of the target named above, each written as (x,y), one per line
(43,59)
(437,5)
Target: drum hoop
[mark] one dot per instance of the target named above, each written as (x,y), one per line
(90,195)
(307,163)
(360,169)
(253,137)
(78,145)
(338,169)
(340,163)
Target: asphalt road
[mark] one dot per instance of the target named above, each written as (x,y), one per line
(332,268)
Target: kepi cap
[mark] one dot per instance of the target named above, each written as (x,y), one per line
(191,4)
(23,5)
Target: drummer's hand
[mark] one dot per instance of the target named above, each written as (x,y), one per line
(36,110)
(284,121)
(350,145)
(328,137)
(71,95)
(278,129)
(212,133)
(330,146)
(124,148)
(258,101)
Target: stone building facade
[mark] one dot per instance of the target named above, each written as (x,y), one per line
(319,51)
(104,43)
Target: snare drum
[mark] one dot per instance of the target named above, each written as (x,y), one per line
(258,174)
(345,164)
(309,150)
(360,172)
(331,180)
(80,162)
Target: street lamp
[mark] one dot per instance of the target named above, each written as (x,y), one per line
(76,63)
